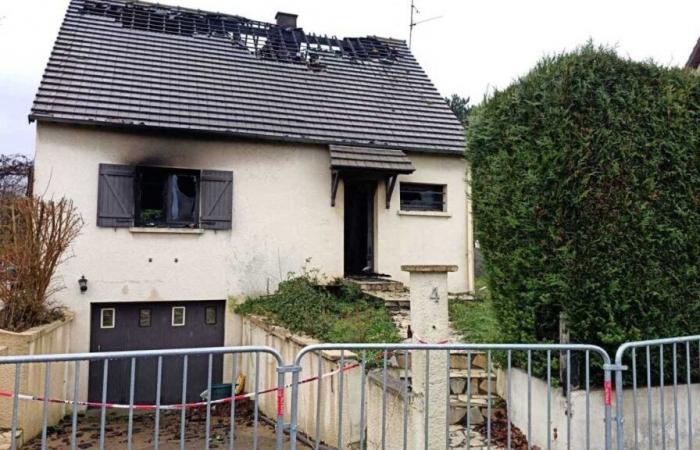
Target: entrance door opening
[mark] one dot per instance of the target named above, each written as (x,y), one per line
(359,226)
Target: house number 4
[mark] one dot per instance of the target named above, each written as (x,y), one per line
(434,296)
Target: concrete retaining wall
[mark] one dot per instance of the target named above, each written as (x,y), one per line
(519,411)
(255,331)
(45,339)
(393,420)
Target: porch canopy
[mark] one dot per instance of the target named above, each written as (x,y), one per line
(380,163)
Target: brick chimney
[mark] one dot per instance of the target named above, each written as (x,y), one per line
(286,20)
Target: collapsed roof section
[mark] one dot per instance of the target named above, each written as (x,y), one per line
(265,40)
(121,63)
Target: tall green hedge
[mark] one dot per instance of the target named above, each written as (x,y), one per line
(586,191)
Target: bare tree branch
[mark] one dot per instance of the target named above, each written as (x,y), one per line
(34,237)
(15,175)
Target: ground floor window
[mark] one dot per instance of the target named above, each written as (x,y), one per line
(422,197)
(145,317)
(107,318)
(178,317)
(210,315)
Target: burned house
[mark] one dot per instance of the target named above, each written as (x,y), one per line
(211,155)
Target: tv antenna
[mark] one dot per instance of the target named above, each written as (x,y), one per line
(413,23)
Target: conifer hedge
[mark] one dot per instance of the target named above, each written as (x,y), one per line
(586,194)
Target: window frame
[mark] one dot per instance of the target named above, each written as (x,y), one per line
(184,316)
(206,318)
(102,318)
(150,317)
(427,209)
(166,223)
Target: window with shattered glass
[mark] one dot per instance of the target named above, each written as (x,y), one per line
(166,197)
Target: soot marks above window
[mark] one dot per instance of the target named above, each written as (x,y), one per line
(166,197)
(264,40)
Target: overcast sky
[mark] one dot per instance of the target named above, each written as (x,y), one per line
(473,47)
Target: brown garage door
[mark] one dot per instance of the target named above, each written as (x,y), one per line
(150,326)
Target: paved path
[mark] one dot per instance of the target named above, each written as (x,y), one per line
(116,432)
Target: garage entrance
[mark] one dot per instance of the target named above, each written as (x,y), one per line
(151,326)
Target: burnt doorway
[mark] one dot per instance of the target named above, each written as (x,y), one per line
(359,226)
(151,326)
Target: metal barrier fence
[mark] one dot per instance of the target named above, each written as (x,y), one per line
(528,354)
(656,370)
(406,395)
(134,359)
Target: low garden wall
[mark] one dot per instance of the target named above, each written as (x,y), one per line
(519,412)
(50,338)
(392,436)
(252,330)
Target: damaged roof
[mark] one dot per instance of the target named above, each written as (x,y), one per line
(694,59)
(125,63)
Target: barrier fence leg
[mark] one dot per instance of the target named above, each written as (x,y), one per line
(294,404)
(619,412)
(279,426)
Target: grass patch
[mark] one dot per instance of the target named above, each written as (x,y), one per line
(338,314)
(476,319)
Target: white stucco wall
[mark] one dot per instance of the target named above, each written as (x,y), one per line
(281,217)
(558,436)
(254,331)
(408,238)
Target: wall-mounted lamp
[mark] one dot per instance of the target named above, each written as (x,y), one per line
(82,282)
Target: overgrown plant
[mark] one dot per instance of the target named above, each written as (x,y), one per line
(34,237)
(586,174)
(337,313)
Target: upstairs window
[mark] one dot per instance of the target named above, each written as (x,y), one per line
(129,196)
(166,197)
(422,197)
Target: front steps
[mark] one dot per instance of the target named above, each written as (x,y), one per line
(464,399)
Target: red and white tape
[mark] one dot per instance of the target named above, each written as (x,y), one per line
(177,406)
(421,341)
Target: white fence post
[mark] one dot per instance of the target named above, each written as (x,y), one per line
(430,324)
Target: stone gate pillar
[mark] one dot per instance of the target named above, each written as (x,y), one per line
(430,324)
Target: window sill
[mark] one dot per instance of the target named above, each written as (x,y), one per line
(441,214)
(166,230)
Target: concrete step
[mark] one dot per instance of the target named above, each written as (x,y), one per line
(474,374)
(478,400)
(477,410)
(372,285)
(459,360)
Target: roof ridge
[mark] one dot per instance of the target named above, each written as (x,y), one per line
(147,3)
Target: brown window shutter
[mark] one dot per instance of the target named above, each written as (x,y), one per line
(115,196)
(216,199)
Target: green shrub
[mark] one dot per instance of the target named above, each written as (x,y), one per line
(586,189)
(341,315)
(476,319)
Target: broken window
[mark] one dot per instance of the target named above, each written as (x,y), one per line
(166,197)
(422,197)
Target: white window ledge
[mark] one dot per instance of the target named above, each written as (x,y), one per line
(442,214)
(154,230)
